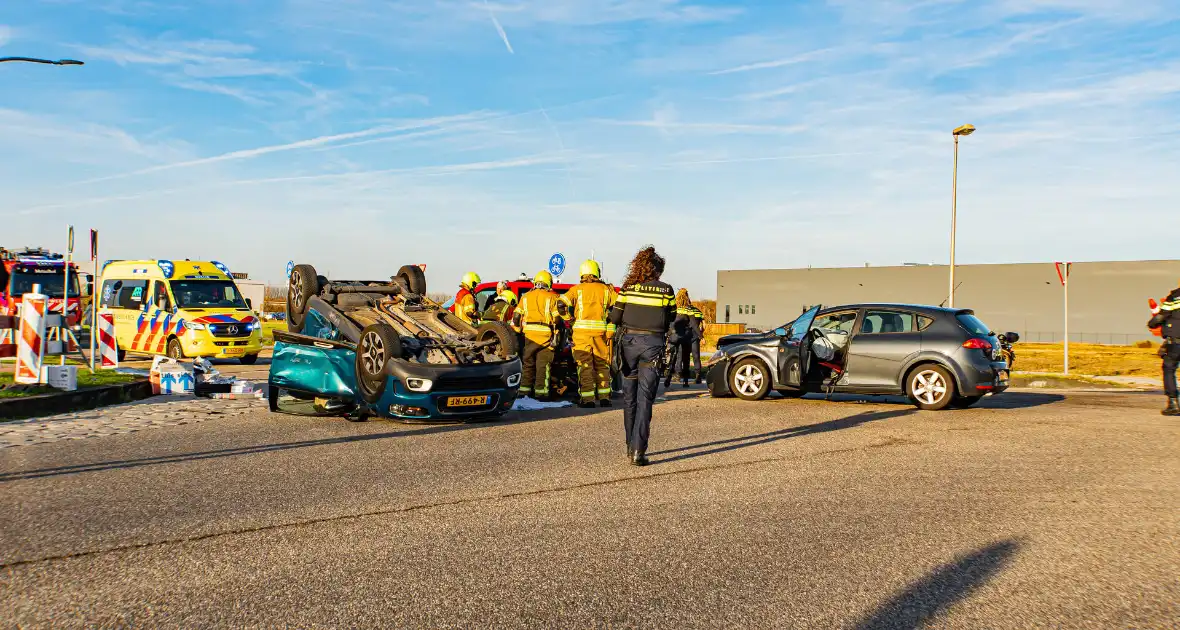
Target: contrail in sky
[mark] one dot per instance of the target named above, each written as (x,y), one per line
(499,29)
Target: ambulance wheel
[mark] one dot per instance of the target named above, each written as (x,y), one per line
(304,284)
(378,344)
(174,349)
(414,277)
(248,359)
(121,355)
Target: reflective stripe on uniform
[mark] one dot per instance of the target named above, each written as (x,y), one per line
(1170,306)
(537,328)
(592,324)
(643,300)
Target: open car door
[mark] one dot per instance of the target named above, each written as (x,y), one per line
(314,372)
(795,348)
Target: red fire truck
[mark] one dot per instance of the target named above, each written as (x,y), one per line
(21,269)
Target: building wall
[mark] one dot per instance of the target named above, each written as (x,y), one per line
(254,290)
(1107,300)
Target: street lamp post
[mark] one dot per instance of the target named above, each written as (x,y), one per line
(57,62)
(964,130)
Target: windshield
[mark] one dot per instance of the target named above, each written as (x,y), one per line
(973,324)
(207,294)
(51,283)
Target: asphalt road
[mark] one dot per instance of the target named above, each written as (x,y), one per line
(1033,510)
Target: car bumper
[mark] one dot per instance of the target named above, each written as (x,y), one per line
(221,347)
(983,377)
(490,392)
(718,379)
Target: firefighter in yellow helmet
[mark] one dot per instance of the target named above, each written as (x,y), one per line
(502,307)
(589,303)
(537,317)
(465,299)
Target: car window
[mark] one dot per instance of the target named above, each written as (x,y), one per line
(316,325)
(483,299)
(973,324)
(836,322)
(924,322)
(879,322)
(160,296)
(110,291)
(131,294)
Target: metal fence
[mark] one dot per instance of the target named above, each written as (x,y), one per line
(1105,338)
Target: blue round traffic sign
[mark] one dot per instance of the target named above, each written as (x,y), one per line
(556,264)
(290,266)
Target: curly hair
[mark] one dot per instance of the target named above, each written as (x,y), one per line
(645,267)
(682,299)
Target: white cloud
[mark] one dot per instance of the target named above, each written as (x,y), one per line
(776,63)
(6,34)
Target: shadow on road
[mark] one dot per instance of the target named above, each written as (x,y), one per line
(250,450)
(722,446)
(1004,400)
(924,600)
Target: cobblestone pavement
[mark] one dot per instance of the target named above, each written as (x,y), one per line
(151,413)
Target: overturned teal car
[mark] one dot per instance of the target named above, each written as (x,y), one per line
(361,348)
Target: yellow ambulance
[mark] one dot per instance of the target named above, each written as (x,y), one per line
(183,308)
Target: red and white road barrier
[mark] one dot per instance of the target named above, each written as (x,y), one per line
(108,346)
(30,348)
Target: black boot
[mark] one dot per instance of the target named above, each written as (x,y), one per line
(1173,408)
(630,452)
(638,458)
(587,404)
(605,402)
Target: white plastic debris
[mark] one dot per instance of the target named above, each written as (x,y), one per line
(531,404)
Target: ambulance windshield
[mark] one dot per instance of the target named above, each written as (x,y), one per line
(207,294)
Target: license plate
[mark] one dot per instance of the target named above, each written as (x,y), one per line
(468,401)
(234,351)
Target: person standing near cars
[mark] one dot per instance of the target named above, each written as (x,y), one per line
(1167,318)
(537,318)
(642,313)
(698,332)
(684,334)
(589,304)
(465,299)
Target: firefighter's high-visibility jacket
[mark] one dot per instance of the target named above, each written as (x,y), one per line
(589,305)
(465,306)
(536,315)
(499,311)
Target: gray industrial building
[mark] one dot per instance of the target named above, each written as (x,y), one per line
(1107,300)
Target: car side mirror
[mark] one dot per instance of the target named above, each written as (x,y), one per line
(249,304)
(781,332)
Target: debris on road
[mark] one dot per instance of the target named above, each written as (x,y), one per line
(530,404)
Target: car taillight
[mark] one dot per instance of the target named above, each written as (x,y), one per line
(978,344)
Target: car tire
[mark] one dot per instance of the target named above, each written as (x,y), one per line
(930,387)
(174,350)
(749,379)
(415,278)
(303,285)
(963,402)
(501,333)
(377,345)
(248,359)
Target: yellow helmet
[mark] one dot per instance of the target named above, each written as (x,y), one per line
(590,268)
(470,279)
(508,296)
(543,278)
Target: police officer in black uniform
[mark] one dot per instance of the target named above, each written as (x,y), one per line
(643,312)
(1168,320)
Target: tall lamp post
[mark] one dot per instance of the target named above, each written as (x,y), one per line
(965,130)
(54,62)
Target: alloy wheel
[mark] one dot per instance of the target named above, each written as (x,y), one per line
(373,353)
(297,288)
(748,380)
(929,387)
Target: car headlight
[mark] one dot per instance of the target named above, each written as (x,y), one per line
(253,326)
(195,326)
(715,359)
(419,384)
(514,380)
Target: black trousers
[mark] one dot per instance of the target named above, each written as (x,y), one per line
(690,349)
(1171,357)
(641,382)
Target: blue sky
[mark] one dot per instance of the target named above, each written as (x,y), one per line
(359,135)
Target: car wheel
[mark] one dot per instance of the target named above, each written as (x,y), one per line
(304,284)
(174,349)
(930,387)
(749,380)
(378,344)
(963,402)
(415,278)
(248,359)
(501,333)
